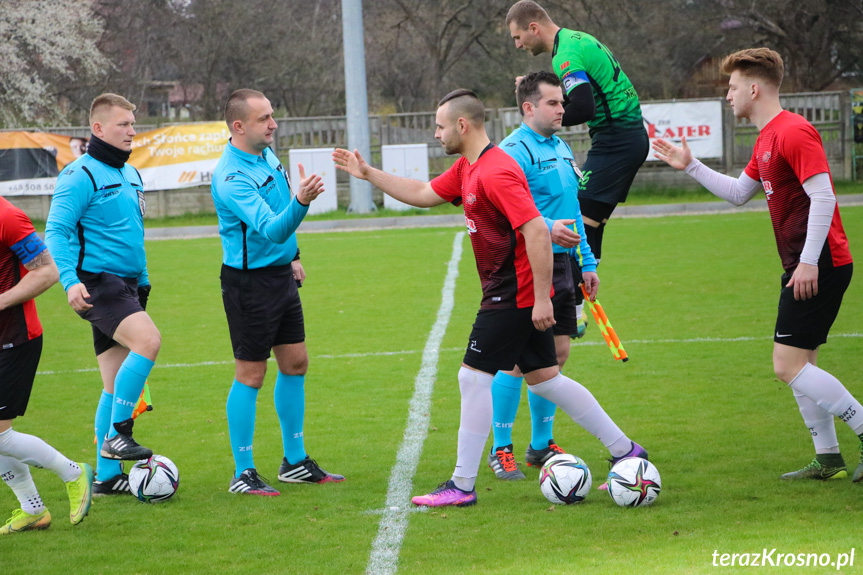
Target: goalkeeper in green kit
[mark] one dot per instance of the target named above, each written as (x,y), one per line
(597,92)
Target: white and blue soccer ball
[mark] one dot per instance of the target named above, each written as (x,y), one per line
(154,480)
(565,479)
(634,482)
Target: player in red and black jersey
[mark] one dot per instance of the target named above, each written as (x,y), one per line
(512,247)
(790,165)
(27,270)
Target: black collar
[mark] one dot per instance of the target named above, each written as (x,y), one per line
(106,153)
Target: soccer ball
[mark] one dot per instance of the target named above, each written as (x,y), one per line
(565,479)
(634,482)
(154,480)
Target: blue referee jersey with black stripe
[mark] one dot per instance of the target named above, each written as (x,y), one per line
(257,213)
(549,167)
(96,221)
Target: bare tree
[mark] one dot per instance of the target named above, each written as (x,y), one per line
(819,40)
(417,45)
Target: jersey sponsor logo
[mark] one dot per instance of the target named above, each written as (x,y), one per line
(766,157)
(565,65)
(474,347)
(848,414)
(69,172)
(229,178)
(768,188)
(585,177)
(470,199)
(471,225)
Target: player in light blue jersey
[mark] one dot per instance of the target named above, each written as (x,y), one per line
(95,231)
(552,176)
(261,273)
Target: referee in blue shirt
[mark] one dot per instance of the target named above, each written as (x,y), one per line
(95,231)
(552,176)
(261,273)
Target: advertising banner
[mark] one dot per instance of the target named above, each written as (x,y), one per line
(168,158)
(31,161)
(700,122)
(179,156)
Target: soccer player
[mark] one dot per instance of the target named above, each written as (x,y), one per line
(261,273)
(598,92)
(789,164)
(547,162)
(95,232)
(513,257)
(27,270)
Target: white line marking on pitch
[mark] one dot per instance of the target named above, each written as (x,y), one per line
(384,557)
(449,350)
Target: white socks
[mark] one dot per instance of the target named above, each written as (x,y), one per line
(475,425)
(829,394)
(578,403)
(820,424)
(31,450)
(17,476)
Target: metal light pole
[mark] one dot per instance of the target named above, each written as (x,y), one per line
(356,100)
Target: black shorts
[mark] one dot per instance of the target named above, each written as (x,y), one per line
(504,338)
(113,298)
(564,299)
(263,309)
(612,162)
(805,324)
(17,371)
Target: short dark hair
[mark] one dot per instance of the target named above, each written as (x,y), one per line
(762,63)
(524,12)
(465,104)
(236,108)
(528,88)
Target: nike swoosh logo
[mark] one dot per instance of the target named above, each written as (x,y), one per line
(783,334)
(4,407)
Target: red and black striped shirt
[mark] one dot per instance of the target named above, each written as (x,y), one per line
(497,201)
(787,152)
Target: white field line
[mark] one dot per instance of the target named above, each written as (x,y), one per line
(449,350)
(384,556)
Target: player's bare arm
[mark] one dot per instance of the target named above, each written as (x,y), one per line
(310,188)
(675,156)
(42,273)
(538,247)
(413,192)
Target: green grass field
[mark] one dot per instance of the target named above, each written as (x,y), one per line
(693,299)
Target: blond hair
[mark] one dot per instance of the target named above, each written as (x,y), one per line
(761,63)
(105,102)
